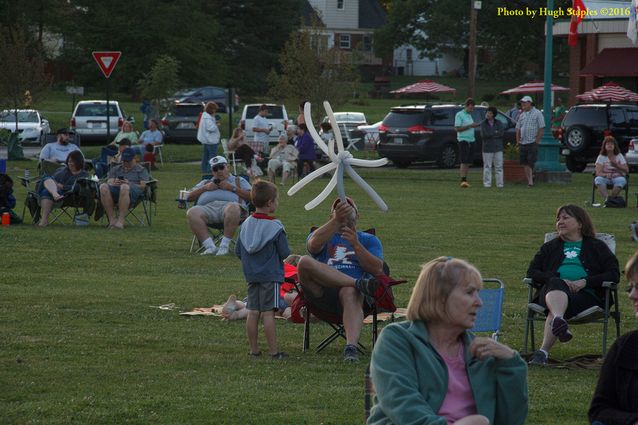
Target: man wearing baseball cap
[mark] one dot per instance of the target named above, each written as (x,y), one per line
(124,185)
(341,269)
(529,130)
(221,199)
(58,151)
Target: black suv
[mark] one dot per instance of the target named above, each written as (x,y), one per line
(584,127)
(180,124)
(426,133)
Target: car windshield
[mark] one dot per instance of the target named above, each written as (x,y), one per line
(350,117)
(274,112)
(188,110)
(23,116)
(95,110)
(595,117)
(403,118)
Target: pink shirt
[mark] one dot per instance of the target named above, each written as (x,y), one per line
(459,400)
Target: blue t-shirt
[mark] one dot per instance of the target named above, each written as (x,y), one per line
(339,254)
(150,136)
(221,194)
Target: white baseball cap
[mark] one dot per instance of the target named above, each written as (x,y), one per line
(526,99)
(217,160)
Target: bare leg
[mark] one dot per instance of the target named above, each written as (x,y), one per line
(529,174)
(352,302)
(197,222)
(284,177)
(616,190)
(46,205)
(232,214)
(464,170)
(314,273)
(548,337)
(602,188)
(252,322)
(52,187)
(268,318)
(271,175)
(123,204)
(107,202)
(556,302)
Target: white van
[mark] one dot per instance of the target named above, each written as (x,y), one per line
(277,117)
(89,119)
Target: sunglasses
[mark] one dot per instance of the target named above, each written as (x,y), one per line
(631,287)
(218,167)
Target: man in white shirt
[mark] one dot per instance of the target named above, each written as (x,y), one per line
(60,149)
(261,130)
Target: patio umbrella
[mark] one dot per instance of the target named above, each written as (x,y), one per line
(424,86)
(533,87)
(609,92)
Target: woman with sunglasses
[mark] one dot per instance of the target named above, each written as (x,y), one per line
(616,397)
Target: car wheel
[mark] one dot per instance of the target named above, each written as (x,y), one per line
(577,138)
(575,166)
(449,156)
(402,163)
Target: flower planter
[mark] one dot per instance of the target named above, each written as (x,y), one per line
(513,171)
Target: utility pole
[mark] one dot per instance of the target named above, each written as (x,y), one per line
(471,63)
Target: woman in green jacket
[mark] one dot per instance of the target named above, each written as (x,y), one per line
(431,370)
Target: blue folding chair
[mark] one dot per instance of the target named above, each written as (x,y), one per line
(489,316)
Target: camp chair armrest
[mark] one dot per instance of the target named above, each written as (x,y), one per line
(610,285)
(26,181)
(528,281)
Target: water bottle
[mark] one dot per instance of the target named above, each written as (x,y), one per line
(6,219)
(27,174)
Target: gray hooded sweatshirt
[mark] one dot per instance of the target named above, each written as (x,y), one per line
(262,246)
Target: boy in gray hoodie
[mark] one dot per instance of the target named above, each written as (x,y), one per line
(262,247)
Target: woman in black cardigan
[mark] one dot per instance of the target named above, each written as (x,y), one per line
(615,401)
(569,272)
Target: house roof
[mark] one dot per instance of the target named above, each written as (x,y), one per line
(371,14)
(309,14)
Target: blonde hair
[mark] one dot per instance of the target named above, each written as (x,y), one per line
(631,268)
(433,287)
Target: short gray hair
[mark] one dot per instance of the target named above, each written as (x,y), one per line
(292,128)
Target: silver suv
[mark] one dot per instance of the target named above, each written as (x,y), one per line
(89,120)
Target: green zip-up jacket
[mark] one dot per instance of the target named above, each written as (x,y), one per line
(411,380)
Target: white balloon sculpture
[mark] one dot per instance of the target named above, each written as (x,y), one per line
(341,161)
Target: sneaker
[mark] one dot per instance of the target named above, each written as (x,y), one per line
(367,286)
(465,184)
(279,356)
(560,329)
(252,355)
(209,251)
(538,358)
(350,353)
(222,250)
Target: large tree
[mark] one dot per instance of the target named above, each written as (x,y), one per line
(307,71)
(436,27)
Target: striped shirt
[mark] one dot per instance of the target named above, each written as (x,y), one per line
(529,122)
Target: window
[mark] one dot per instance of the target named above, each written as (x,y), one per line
(443,116)
(367,43)
(340,4)
(344,41)
(408,54)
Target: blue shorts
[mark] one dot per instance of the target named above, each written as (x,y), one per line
(134,193)
(44,192)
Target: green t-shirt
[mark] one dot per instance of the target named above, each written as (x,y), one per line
(462,119)
(572,268)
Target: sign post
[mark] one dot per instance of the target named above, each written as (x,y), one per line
(107,61)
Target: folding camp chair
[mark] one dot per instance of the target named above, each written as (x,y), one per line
(488,319)
(82,197)
(336,323)
(594,188)
(595,314)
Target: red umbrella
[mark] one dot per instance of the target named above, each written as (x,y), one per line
(609,92)
(533,87)
(424,86)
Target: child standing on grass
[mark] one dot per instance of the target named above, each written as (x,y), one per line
(262,247)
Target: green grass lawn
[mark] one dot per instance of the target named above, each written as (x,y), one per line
(84,342)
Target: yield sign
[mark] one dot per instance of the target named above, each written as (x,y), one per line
(106,61)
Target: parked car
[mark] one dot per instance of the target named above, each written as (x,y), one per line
(89,120)
(180,124)
(632,155)
(417,133)
(348,121)
(585,126)
(368,134)
(277,118)
(203,95)
(32,126)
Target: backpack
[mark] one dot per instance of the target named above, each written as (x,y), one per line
(615,202)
